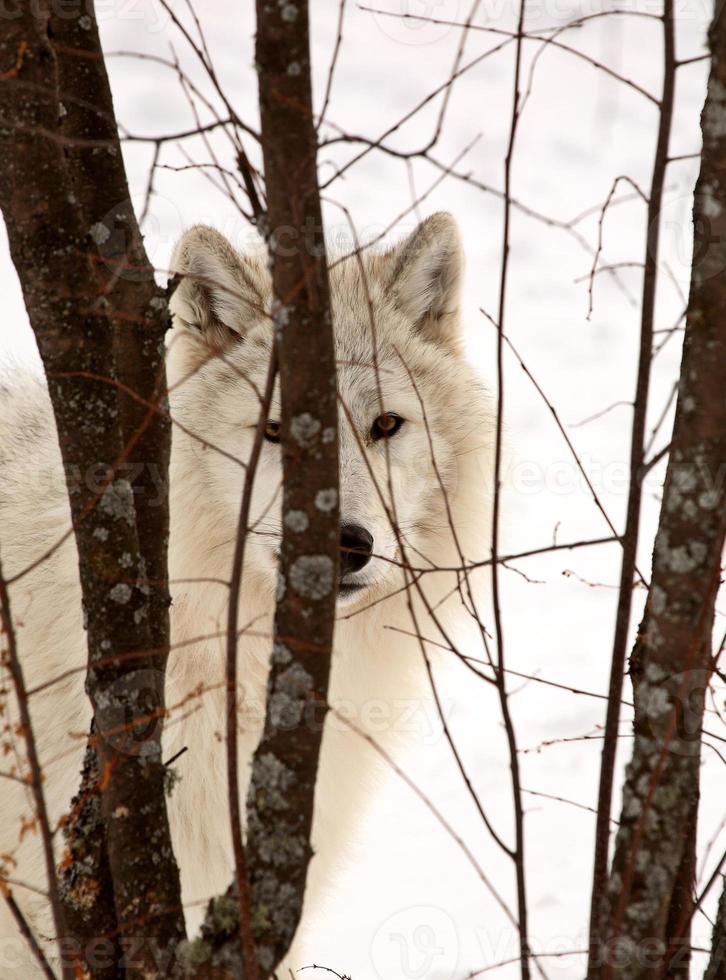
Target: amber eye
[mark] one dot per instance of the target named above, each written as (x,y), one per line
(385,426)
(272,431)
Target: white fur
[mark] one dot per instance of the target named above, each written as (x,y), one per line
(217,352)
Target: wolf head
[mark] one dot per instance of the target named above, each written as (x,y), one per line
(414,420)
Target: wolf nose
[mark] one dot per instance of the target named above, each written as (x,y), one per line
(356,547)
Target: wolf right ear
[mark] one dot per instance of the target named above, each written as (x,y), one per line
(220,293)
(425,273)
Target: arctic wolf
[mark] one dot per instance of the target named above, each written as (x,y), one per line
(416,430)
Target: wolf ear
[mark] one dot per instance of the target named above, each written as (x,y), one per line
(220,292)
(425,276)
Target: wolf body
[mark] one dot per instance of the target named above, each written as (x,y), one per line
(398,343)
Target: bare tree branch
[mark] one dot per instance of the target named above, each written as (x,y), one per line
(632,519)
(15,668)
(499,672)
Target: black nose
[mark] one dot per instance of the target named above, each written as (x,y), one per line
(356,547)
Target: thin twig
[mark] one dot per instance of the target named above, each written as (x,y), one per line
(632,521)
(519,860)
(26,931)
(36,776)
(240,863)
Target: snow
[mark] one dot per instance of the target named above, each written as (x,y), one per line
(409,904)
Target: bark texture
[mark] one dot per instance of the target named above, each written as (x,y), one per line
(99,320)
(649,898)
(280,800)
(85,878)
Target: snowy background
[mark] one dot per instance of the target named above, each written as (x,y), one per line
(409,905)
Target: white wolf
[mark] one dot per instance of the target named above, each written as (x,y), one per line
(438,426)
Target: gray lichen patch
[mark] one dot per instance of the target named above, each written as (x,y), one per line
(326,500)
(223,913)
(304,429)
(280,654)
(655,804)
(688,558)
(193,954)
(312,576)
(272,780)
(297,520)
(278,846)
(118,501)
(710,203)
(714,114)
(654,672)
(709,499)
(289,12)
(289,697)
(655,701)
(277,911)
(657,600)
(280,314)
(295,681)
(120,593)
(284,712)
(681,559)
(99,233)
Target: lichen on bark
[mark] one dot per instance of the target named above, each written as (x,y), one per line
(649,903)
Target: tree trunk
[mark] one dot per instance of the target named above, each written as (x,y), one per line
(649,900)
(284,772)
(99,320)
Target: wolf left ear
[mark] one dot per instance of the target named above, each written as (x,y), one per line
(426,271)
(221,293)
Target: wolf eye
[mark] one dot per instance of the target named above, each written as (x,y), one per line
(272,431)
(386,426)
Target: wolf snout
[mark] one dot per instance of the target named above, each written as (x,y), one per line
(356,548)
